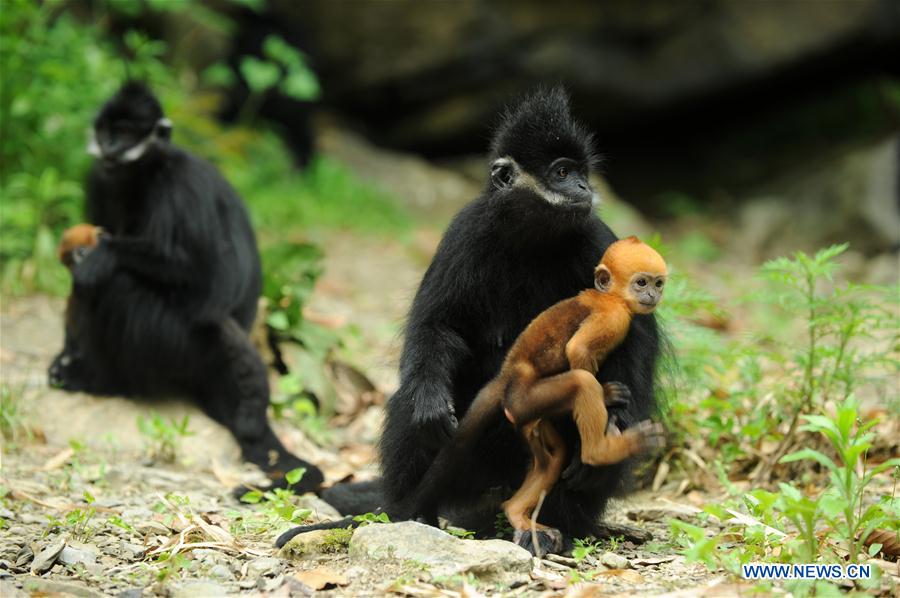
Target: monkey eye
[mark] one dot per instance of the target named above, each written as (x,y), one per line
(642,282)
(659,284)
(562,172)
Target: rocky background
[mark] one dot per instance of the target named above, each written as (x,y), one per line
(780,117)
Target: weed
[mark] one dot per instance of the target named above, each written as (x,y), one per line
(163,436)
(585,547)
(278,505)
(460,532)
(367,518)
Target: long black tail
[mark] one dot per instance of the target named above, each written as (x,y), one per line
(353,498)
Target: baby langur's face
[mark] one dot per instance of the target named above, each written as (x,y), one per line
(645,291)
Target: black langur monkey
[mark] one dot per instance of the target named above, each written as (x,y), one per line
(530,240)
(167,296)
(550,372)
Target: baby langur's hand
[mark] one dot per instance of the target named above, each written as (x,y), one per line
(615,394)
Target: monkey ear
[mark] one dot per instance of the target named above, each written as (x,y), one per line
(164,129)
(602,278)
(501,173)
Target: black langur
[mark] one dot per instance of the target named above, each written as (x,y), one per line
(550,372)
(163,303)
(530,240)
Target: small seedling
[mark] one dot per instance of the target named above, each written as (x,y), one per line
(163,436)
(279,503)
(367,518)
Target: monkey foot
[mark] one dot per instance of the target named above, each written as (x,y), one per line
(63,373)
(650,435)
(616,394)
(549,540)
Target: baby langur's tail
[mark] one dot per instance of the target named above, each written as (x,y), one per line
(447,466)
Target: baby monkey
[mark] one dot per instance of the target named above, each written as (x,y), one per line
(76,242)
(550,371)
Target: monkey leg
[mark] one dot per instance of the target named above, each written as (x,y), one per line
(579,392)
(233,388)
(549,453)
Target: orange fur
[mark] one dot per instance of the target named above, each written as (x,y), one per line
(75,237)
(550,370)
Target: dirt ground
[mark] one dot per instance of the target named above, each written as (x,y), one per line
(142,511)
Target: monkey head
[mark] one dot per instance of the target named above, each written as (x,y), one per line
(540,153)
(635,272)
(76,242)
(129,125)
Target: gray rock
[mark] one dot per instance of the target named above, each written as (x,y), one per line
(45,559)
(264,566)
(18,531)
(7,514)
(442,554)
(614,561)
(50,587)
(72,555)
(330,541)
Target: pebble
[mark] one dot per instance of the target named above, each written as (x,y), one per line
(72,556)
(221,573)
(46,558)
(614,561)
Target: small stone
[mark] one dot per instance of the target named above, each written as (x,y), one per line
(441,554)
(614,561)
(46,558)
(7,514)
(18,531)
(221,573)
(133,551)
(24,556)
(131,593)
(264,566)
(32,519)
(77,552)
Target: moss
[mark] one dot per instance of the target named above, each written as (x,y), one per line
(333,541)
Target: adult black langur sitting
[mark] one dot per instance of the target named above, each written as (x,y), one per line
(530,240)
(167,297)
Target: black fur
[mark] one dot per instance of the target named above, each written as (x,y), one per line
(165,301)
(506,257)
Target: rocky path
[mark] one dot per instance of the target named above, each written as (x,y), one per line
(86,510)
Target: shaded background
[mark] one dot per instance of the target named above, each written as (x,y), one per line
(780,111)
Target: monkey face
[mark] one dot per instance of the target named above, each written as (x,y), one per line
(645,291)
(128,125)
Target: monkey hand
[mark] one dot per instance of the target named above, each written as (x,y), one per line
(434,421)
(615,394)
(580,477)
(95,267)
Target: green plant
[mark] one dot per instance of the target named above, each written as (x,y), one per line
(793,526)
(77,521)
(842,506)
(460,532)
(163,436)
(584,547)
(13,420)
(367,518)
(279,503)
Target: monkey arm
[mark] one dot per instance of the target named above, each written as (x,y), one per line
(432,354)
(138,256)
(592,342)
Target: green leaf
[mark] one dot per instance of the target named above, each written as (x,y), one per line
(301,84)
(810,454)
(295,475)
(259,74)
(278,320)
(252,497)
(874,548)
